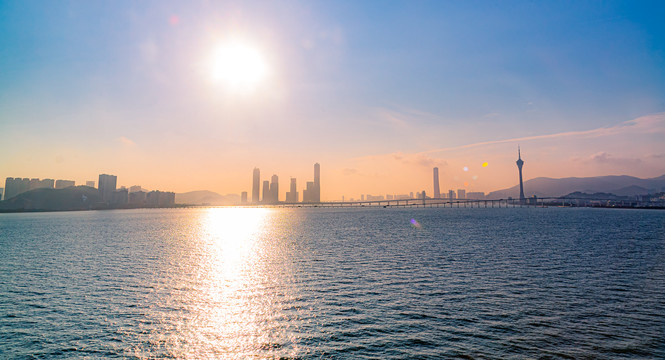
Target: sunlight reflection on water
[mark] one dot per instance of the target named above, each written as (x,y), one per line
(231,309)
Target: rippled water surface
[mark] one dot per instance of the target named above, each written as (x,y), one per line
(226,283)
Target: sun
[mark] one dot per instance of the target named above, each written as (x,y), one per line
(239,66)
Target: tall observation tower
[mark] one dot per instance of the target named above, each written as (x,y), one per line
(520,162)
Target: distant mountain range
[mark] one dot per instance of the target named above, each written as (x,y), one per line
(622,185)
(205,197)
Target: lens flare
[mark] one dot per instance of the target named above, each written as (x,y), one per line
(485,164)
(415,223)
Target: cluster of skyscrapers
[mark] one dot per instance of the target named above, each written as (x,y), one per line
(270,190)
(132,197)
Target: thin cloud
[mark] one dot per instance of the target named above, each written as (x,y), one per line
(651,123)
(125,141)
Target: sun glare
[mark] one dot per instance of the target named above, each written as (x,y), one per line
(238,66)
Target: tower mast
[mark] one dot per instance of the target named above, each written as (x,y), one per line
(520,162)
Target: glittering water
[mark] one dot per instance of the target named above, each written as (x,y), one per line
(319,283)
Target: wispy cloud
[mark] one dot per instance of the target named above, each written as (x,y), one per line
(125,141)
(647,124)
(605,158)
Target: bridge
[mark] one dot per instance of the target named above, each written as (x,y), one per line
(459,203)
(472,203)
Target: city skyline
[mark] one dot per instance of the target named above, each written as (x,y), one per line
(380,93)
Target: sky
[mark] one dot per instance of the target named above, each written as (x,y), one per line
(377,92)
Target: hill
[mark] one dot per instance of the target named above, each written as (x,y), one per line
(71,198)
(623,185)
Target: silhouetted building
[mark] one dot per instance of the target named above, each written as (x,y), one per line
(451,194)
(266,192)
(292,195)
(106,186)
(46,184)
(135,188)
(34,184)
(461,194)
(160,199)
(437,191)
(274,189)
(15,186)
(475,195)
(120,197)
(308,195)
(243,197)
(137,198)
(90,183)
(2,190)
(62,184)
(369,197)
(256,186)
(316,196)
(520,163)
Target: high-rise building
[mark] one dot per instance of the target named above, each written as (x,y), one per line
(160,198)
(317,183)
(308,195)
(461,194)
(243,197)
(475,195)
(451,194)
(1,192)
(256,186)
(292,195)
(137,198)
(135,188)
(62,184)
(47,183)
(106,186)
(437,191)
(34,184)
(15,186)
(520,163)
(90,183)
(120,197)
(274,189)
(266,192)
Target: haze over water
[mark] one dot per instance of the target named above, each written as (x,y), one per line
(333,283)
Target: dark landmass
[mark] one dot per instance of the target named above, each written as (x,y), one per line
(71,198)
(68,199)
(594,196)
(622,185)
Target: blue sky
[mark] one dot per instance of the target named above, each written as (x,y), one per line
(122,87)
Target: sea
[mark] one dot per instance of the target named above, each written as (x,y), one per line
(333,283)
